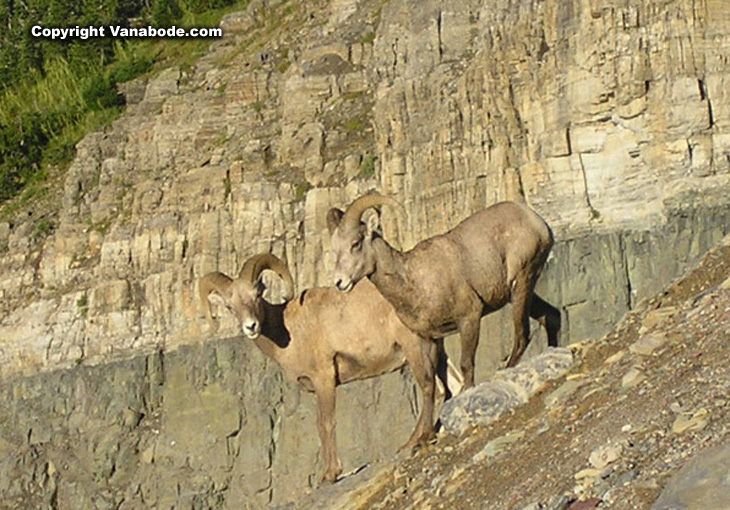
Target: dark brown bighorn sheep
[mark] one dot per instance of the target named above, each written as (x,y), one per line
(448,282)
(325,338)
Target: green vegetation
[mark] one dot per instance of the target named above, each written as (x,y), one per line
(300,191)
(102,227)
(42,228)
(53,92)
(355,125)
(367,38)
(82,304)
(283,61)
(367,166)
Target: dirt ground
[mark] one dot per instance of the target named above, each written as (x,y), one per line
(609,434)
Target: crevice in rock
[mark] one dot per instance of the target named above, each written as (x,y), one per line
(627,272)
(592,210)
(704,96)
(439,21)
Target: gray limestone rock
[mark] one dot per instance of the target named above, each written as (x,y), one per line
(484,403)
(702,484)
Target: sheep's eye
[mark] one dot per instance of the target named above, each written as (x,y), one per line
(356,245)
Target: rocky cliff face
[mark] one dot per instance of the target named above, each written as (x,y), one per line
(610,118)
(599,113)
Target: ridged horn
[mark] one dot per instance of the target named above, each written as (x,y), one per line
(212,282)
(256,264)
(354,212)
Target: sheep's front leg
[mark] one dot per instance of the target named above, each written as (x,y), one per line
(325,391)
(422,357)
(442,370)
(469,333)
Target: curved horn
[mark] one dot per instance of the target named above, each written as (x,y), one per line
(212,282)
(354,212)
(253,267)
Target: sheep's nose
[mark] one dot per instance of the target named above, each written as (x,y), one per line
(251,329)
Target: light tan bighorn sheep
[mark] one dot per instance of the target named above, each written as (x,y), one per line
(448,282)
(325,338)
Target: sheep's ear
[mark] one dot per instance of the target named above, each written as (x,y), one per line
(217,299)
(334,216)
(371,218)
(260,287)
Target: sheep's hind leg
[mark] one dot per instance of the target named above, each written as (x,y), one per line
(521,302)
(548,316)
(422,359)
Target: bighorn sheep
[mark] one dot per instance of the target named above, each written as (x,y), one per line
(325,338)
(448,282)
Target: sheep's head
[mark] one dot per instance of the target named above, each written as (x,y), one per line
(243,296)
(352,240)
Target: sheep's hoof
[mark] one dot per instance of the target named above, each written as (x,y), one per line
(330,477)
(413,445)
(408,448)
(509,362)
